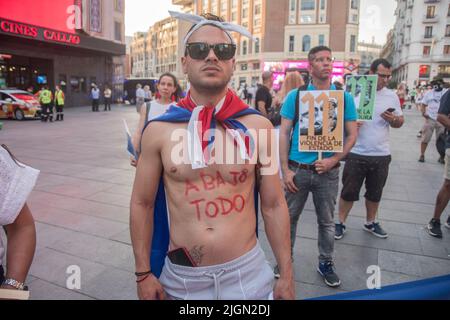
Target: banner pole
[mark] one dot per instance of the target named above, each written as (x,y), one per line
(320,156)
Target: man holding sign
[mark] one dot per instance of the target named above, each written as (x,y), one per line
(318,114)
(370,158)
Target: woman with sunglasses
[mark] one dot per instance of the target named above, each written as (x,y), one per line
(16,182)
(167,88)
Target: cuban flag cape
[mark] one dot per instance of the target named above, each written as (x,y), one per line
(200,119)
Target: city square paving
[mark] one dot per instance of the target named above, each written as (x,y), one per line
(81,208)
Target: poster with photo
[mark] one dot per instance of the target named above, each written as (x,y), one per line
(364,90)
(321,121)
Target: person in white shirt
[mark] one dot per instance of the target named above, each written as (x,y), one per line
(148,94)
(430,107)
(140,97)
(107,94)
(16,183)
(167,86)
(370,157)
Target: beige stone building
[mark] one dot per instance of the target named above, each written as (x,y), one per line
(285,30)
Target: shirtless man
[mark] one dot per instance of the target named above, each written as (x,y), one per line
(212,210)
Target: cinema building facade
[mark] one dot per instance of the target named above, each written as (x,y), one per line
(72,43)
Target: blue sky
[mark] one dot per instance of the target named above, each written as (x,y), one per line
(377,17)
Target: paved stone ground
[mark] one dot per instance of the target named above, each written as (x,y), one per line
(81,205)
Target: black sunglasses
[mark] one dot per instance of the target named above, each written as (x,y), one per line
(200,50)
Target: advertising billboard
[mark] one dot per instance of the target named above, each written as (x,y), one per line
(60,15)
(279,69)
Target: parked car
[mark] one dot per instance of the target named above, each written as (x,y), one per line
(19,105)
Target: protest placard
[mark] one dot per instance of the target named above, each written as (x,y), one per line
(321,121)
(363,89)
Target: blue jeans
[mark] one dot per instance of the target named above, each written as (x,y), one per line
(324,188)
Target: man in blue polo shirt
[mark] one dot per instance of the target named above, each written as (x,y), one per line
(303,172)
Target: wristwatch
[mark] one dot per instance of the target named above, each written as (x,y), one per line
(14,283)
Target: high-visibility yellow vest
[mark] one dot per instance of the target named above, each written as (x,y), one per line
(59,97)
(45,96)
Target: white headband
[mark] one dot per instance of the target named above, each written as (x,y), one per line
(200,21)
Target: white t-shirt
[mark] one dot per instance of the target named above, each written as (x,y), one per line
(373,138)
(157,109)
(432,100)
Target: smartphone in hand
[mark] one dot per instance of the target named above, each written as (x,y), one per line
(390,110)
(181,257)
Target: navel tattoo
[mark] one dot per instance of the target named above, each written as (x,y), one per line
(197,254)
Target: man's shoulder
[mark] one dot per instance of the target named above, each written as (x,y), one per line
(256,122)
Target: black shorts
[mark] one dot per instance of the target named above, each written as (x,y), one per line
(2,275)
(373,170)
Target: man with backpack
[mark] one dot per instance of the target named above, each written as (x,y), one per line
(303,172)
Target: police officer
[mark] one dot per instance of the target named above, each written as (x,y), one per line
(59,103)
(45,98)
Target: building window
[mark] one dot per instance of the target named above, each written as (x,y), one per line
(355,4)
(244,47)
(257,9)
(117,31)
(244,13)
(306,43)
(204,5)
(307,18)
(96,16)
(426,50)
(244,67)
(257,45)
(354,18)
(223,5)
(293,5)
(291,43)
(431,11)
(256,66)
(444,71)
(353,43)
(323,4)
(118,5)
(214,7)
(428,32)
(308,4)
(234,16)
(446,49)
(234,3)
(447,30)
(321,40)
(424,71)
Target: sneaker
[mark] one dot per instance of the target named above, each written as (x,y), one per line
(434,228)
(326,270)
(422,159)
(419,135)
(376,230)
(276,272)
(340,230)
(447,224)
